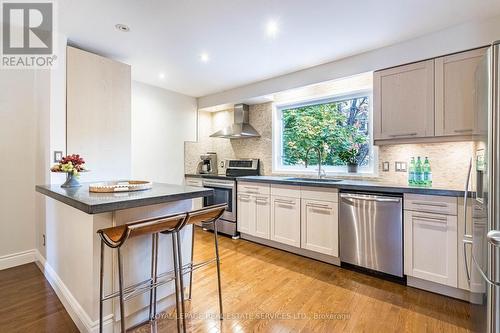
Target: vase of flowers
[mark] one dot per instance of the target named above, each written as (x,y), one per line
(72,165)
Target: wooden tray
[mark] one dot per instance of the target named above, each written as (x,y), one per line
(120,186)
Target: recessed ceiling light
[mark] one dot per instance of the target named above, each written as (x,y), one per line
(122,27)
(204,57)
(272,28)
(161,76)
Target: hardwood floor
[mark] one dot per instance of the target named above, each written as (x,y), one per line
(268,290)
(28,303)
(264,290)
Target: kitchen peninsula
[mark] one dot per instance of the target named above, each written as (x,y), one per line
(73,217)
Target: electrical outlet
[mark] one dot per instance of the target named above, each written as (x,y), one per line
(400,166)
(385,166)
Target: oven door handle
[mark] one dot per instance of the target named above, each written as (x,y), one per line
(218,185)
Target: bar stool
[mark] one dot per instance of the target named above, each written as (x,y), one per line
(209,214)
(115,238)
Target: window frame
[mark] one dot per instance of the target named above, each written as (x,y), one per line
(277,138)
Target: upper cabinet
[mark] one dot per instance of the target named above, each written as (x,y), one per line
(456,98)
(432,100)
(404,101)
(98,110)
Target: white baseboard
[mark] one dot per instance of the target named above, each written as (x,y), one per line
(438,288)
(17,259)
(81,319)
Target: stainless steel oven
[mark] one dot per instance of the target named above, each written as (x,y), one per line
(224,192)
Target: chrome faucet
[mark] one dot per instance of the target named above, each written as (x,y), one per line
(321,172)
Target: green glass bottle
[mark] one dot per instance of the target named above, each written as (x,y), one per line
(419,172)
(411,172)
(427,173)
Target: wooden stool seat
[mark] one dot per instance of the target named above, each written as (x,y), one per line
(115,238)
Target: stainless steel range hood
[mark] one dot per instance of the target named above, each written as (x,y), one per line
(240,129)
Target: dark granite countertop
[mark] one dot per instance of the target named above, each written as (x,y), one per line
(197,175)
(357,185)
(94,203)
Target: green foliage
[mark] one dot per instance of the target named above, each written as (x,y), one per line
(339,129)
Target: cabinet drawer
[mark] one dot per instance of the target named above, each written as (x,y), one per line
(253,188)
(320,193)
(194,182)
(290,191)
(431,204)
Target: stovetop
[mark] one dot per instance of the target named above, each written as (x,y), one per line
(210,176)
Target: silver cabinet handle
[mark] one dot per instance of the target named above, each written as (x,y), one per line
(466,196)
(288,202)
(494,238)
(261,199)
(315,205)
(426,203)
(403,134)
(466,130)
(467,242)
(243,196)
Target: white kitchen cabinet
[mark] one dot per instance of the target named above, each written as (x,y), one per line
(319,226)
(262,217)
(403,101)
(430,251)
(254,210)
(285,220)
(455,92)
(246,213)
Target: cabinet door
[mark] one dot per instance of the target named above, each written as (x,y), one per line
(246,213)
(403,101)
(262,217)
(455,85)
(320,226)
(285,220)
(431,247)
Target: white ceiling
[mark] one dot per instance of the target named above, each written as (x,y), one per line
(168,36)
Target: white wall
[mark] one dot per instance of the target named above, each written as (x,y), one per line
(18,129)
(161,121)
(454,39)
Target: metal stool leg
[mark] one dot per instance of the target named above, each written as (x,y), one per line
(120,284)
(191,265)
(176,275)
(154,273)
(217,260)
(101,287)
(181,280)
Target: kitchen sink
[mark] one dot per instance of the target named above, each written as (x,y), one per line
(314,180)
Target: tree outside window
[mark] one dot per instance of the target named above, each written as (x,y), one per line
(339,128)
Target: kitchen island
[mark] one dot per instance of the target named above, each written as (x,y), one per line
(71,262)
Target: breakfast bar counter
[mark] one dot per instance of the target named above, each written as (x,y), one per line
(72,247)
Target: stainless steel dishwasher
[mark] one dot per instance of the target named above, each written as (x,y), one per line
(371,231)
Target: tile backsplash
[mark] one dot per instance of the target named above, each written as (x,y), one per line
(449,160)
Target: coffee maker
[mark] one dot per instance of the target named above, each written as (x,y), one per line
(208,164)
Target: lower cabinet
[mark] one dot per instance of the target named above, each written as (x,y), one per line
(320,227)
(254,215)
(262,217)
(431,247)
(285,220)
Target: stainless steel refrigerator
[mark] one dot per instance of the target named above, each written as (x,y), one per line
(481,243)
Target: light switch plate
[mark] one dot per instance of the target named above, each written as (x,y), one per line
(58,155)
(385,166)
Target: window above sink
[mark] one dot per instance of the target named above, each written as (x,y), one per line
(334,123)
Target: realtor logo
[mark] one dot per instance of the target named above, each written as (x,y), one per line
(27,36)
